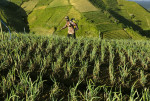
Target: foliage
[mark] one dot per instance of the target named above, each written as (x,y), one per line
(36,67)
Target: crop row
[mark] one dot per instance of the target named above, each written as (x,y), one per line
(28,63)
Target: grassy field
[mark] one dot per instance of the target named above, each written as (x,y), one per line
(83,5)
(110,17)
(29,6)
(57,3)
(47,18)
(36,68)
(14,20)
(46,66)
(135,13)
(116,34)
(44,3)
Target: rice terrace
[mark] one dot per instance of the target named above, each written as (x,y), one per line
(74,50)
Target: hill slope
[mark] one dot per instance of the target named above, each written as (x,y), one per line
(14,16)
(111,17)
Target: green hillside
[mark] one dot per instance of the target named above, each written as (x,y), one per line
(14,16)
(113,18)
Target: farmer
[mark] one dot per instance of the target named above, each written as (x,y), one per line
(71,27)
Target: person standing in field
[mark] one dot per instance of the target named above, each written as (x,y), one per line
(71,27)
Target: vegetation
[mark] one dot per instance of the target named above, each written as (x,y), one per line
(44,66)
(132,11)
(78,4)
(16,21)
(57,68)
(46,17)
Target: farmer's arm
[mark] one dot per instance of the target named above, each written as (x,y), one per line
(64,27)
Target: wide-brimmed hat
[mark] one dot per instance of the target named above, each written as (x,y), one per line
(66,17)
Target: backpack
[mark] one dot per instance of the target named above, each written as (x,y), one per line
(74,21)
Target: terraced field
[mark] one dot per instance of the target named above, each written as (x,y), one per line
(56,3)
(46,17)
(116,34)
(90,19)
(14,16)
(29,6)
(47,66)
(43,3)
(135,13)
(83,5)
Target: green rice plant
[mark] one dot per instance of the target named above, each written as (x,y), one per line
(133,94)
(93,53)
(31,65)
(24,80)
(70,66)
(124,72)
(58,50)
(111,65)
(102,51)
(38,59)
(37,52)
(54,66)
(28,52)
(96,70)
(67,52)
(73,92)
(83,71)
(43,65)
(118,96)
(9,81)
(49,47)
(111,73)
(76,49)
(142,78)
(84,51)
(32,53)
(17,89)
(55,90)
(144,63)
(3,85)
(12,96)
(109,95)
(12,75)
(4,62)
(122,57)
(92,92)
(65,70)
(30,89)
(58,63)
(49,59)
(145,95)
(132,58)
(82,55)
